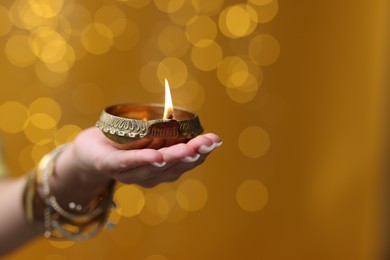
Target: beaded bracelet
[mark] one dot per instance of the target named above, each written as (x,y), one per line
(78,218)
(59,223)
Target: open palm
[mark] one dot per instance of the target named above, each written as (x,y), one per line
(145,167)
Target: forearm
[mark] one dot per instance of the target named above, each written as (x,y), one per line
(14,229)
(69,183)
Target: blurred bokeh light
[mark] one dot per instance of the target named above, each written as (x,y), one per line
(296,89)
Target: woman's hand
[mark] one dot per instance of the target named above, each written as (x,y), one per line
(86,168)
(96,158)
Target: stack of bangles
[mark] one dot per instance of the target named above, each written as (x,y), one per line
(81,223)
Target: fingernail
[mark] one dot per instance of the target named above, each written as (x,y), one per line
(189,159)
(218,144)
(206,149)
(158,164)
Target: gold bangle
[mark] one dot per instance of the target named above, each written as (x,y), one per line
(77,218)
(28,198)
(33,205)
(60,223)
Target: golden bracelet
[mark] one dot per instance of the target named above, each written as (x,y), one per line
(58,222)
(28,198)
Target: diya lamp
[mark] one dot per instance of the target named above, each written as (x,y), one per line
(137,126)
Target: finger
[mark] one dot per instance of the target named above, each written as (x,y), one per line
(149,176)
(189,159)
(215,138)
(177,152)
(205,143)
(123,160)
(180,167)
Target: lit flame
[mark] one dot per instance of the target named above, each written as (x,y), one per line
(168,109)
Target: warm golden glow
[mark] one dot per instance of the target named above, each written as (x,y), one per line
(243,76)
(168,109)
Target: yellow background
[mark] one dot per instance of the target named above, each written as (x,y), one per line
(296,89)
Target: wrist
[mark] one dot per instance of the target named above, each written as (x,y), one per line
(70,172)
(57,218)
